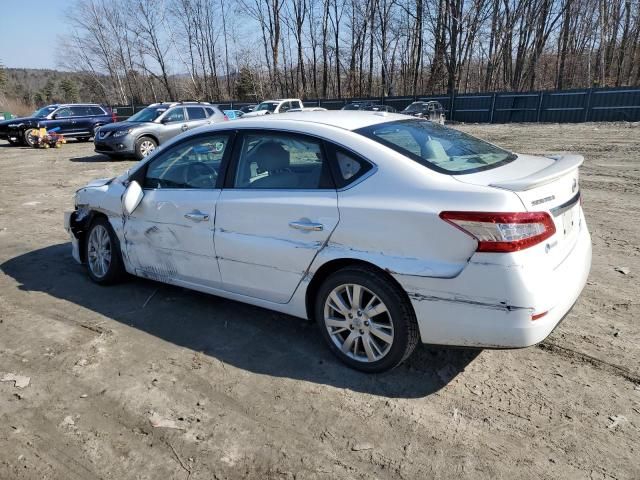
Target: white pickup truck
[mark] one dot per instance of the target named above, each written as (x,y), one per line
(279,106)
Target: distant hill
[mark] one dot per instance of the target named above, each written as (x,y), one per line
(38,86)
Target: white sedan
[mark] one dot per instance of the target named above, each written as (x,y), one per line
(384,229)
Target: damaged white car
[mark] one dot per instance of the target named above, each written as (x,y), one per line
(385,230)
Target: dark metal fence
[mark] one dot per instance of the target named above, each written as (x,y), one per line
(559,106)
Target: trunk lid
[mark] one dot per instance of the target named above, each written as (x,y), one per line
(543,184)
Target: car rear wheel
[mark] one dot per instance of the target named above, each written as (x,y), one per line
(102,253)
(367,320)
(144,147)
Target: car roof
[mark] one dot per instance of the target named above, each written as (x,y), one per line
(346,119)
(58,105)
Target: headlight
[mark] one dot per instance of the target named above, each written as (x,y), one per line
(121,133)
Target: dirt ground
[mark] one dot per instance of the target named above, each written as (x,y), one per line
(148,381)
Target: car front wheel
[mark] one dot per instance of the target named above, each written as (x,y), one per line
(30,137)
(144,147)
(102,253)
(366,319)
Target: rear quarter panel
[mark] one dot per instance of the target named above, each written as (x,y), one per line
(391,219)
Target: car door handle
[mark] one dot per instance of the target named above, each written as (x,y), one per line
(310,226)
(197,216)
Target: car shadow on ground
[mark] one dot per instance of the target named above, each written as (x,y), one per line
(247,337)
(18,147)
(97,158)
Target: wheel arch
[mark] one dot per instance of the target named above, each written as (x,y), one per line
(80,227)
(147,134)
(330,267)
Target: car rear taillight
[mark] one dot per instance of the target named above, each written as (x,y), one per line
(225,117)
(114,119)
(503,232)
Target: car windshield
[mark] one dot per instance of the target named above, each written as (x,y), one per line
(415,107)
(149,114)
(270,106)
(43,112)
(436,147)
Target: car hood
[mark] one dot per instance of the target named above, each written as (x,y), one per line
(6,123)
(112,127)
(99,182)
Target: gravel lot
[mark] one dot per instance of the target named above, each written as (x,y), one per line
(148,381)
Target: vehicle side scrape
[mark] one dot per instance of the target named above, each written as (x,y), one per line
(500,305)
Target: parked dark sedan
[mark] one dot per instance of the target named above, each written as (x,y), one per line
(79,121)
(369,106)
(431,110)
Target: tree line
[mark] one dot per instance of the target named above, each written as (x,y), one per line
(139,51)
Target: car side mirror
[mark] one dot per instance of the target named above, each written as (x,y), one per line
(132,197)
(54,116)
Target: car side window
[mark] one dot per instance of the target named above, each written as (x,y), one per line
(79,111)
(297,104)
(175,115)
(282,161)
(350,167)
(210,111)
(97,111)
(192,164)
(196,113)
(285,107)
(64,112)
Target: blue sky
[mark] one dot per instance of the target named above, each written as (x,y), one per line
(29,32)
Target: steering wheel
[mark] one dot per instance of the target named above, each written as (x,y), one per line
(200,175)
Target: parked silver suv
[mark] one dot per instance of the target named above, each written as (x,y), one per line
(141,133)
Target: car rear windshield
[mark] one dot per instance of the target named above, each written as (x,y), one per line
(149,114)
(436,147)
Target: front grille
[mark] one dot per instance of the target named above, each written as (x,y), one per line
(103,147)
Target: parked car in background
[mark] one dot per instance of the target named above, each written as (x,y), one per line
(308,109)
(357,105)
(233,114)
(73,120)
(431,110)
(248,108)
(141,133)
(369,106)
(275,106)
(380,108)
(387,230)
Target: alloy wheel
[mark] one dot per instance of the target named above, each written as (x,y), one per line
(99,251)
(146,147)
(358,322)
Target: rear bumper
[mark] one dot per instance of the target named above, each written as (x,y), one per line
(491,305)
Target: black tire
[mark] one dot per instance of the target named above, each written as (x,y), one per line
(28,139)
(399,313)
(115,270)
(140,147)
